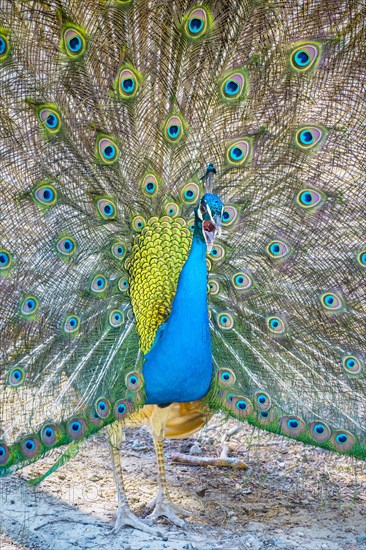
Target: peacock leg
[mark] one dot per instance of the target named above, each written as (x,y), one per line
(162,504)
(125,517)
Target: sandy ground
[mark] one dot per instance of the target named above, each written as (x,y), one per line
(291,497)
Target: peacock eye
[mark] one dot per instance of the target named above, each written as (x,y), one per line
(107,209)
(74,42)
(196,23)
(174,129)
(29,446)
(29,306)
(45,194)
(116,318)
(71,324)
(309,198)
(50,120)
(263,401)
(361,258)
(133,381)
(276,325)
(5,259)
(225,321)
(331,301)
(342,440)
(49,434)
(4,454)
(76,428)
(305,57)
(238,152)
(107,151)
(66,246)
(4,47)
(118,250)
(217,253)
(319,431)
(234,86)
(278,250)
(138,223)
(98,284)
(352,364)
(121,409)
(123,284)
(242,281)
(103,407)
(308,137)
(214,287)
(292,425)
(128,83)
(172,209)
(229,216)
(150,185)
(226,377)
(16,377)
(190,193)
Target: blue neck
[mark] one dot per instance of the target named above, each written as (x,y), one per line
(178,368)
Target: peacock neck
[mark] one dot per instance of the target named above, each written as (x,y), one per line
(178,368)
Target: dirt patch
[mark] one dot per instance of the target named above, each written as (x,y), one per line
(292,496)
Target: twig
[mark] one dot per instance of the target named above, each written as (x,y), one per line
(222,461)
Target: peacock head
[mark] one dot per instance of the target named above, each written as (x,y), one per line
(208,218)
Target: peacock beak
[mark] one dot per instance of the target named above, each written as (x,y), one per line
(211,230)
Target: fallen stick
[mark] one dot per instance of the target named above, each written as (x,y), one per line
(222,462)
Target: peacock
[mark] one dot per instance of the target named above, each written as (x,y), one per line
(183,224)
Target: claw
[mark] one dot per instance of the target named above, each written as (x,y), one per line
(163,507)
(126,518)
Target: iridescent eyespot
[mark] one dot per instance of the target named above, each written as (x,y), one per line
(49,434)
(361,258)
(121,409)
(196,23)
(103,407)
(150,185)
(118,250)
(234,86)
(16,377)
(305,56)
(214,287)
(50,119)
(130,314)
(278,250)
(133,381)
(352,364)
(76,428)
(217,253)
(107,150)
(106,209)
(123,284)
(319,431)
(128,82)
(4,47)
(343,440)
(310,198)
(242,281)
(190,224)
(45,194)
(239,152)
(116,318)
(265,417)
(229,215)
(225,321)
(30,446)
(190,193)
(138,223)
(292,425)
(66,246)
(29,306)
(276,325)
(171,209)
(241,406)
(308,137)
(4,454)
(74,43)
(226,377)
(331,302)
(174,129)
(71,324)
(262,401)
(98,284)
(5,259)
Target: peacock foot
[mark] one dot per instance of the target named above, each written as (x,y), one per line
(163,507)
(126,518)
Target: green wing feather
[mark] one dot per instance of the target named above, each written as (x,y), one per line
(101,99)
